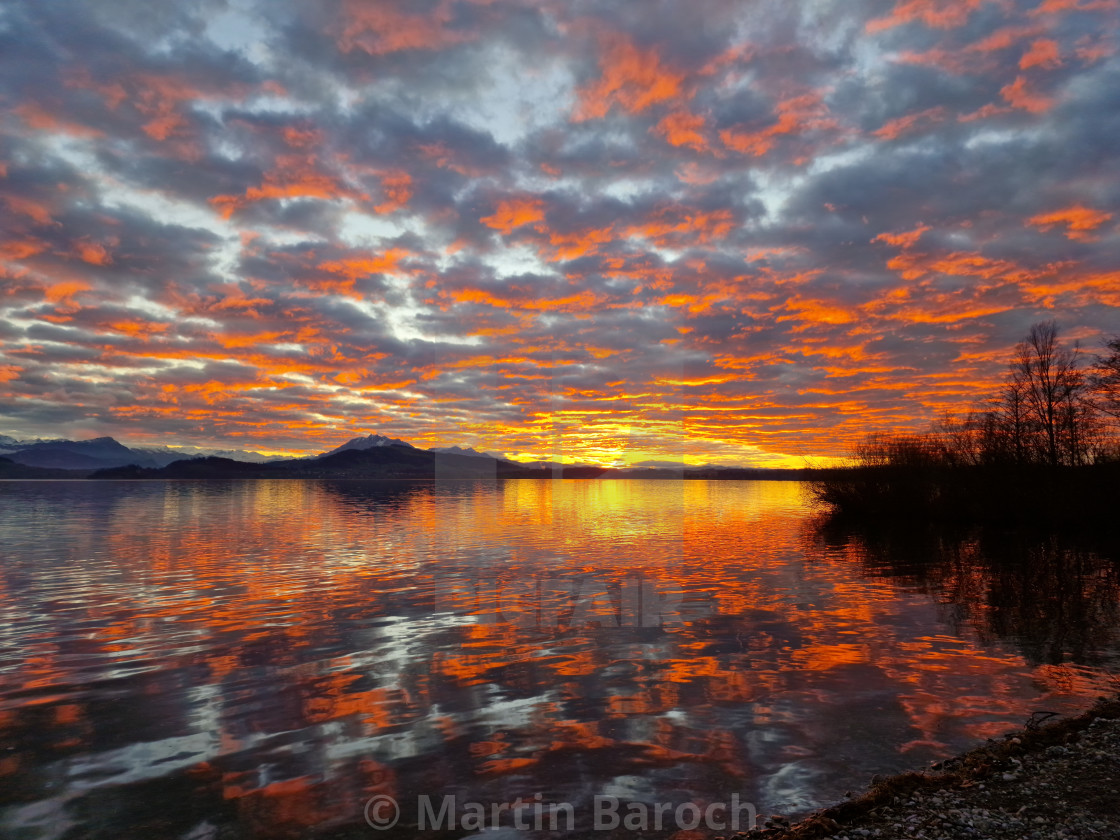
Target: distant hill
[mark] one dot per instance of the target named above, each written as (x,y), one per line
(9,469)
(462,450)
(208,467)
(164,455)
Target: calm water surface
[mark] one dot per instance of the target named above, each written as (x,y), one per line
(258,659)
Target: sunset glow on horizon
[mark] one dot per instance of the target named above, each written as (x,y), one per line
(719,231)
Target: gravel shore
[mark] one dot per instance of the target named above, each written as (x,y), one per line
(1059,780)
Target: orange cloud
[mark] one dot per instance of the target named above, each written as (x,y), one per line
(444,157)
(911,265)
(939,14)
(64,292)
(529,300)
(139,329)
(1091,52)
(294,176)
(569,246)
(397,189)
(812,311)
(1078,219)
(1017,95)
(902,240)
(158,97)
(682,128)
(902,125)
(632,78)
(1043,53)
(380,28)
(39,119)
(34,210)
(302,138)
(9,372)
(695,304)
(989,110)
(21,249)
(1050,7)
(513,213)
(975,57)
(93,253)
(112,93)
(1001,39)
(698,226)
(799,114)
(697,175)
(352,269)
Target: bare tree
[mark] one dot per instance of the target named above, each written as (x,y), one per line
(1013,422)
(1053,389)
(1105,379)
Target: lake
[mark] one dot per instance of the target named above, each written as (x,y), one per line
(260,659)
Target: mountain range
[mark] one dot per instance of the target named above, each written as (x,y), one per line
(369,456)
(105,452)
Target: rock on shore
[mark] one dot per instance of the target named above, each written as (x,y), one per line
(1055,782)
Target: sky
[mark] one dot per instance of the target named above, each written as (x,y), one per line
(746,232)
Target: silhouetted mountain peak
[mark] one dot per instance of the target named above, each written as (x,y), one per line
(368,442)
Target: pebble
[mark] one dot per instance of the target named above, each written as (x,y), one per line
(1031,802)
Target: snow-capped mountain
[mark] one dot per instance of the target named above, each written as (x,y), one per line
(104,452)
(7,442)
(368,442)
(97,453)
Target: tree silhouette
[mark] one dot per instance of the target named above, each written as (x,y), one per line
(1105,379)
(1052,386)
